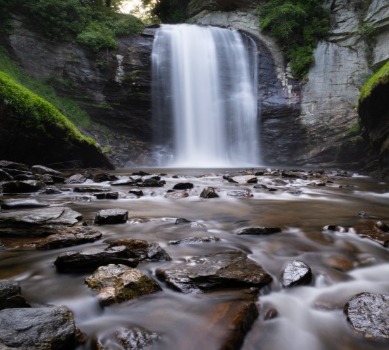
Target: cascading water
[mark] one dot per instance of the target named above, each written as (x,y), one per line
(205,106)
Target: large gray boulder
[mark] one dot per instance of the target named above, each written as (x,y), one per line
(38,328)
(10,295)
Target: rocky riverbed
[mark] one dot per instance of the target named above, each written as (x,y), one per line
(187,259)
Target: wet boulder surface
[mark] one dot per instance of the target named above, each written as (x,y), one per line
(296,273)
(217,271)
(368,314)
(38,328)
(10,295)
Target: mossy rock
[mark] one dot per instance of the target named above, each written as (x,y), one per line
(373,111)
(34,131)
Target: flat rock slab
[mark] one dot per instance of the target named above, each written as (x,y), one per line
(10,295)
(70,236)
(369,315)
(38,328)
(111,216)
(296,273)
(119,283)
(217,271)
(129,252)
(40,169)
(23,204)
(37,222)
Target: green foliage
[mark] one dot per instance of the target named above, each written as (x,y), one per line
(169,11)
(381,77)
(297,25)
(34,112)
(125,25)
(67,107)
(97,37)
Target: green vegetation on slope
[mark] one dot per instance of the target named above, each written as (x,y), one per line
(32,130)
(297,25)
(93,23)
(34,112)
(67,107)
(381,77)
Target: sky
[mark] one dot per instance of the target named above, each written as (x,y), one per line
(129,5)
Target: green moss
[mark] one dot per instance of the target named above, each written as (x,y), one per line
(67,107)
(35,112)
(381,77)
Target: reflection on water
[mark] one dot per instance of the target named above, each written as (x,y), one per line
(309,317)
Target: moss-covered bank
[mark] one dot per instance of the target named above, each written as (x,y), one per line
(373,110)
(33,131)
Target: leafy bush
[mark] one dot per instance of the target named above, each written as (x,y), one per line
(97,37)
(126,25)
(170,11)
(297,25)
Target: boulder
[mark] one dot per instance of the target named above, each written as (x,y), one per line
(138,193)
(296,273)
(375,231)
(252,180)
(230,269)
(135,338)
(258,231)
(40,169)
(111,216)
(68,237)
(183,186)
(38,328)
(151,182)
(26,186)
(10,295)
(209,192)
(129,252)
(119,283)
(37,222)
(368,314)
(180,221)
(23,203)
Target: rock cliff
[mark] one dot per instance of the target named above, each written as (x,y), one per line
(309,122)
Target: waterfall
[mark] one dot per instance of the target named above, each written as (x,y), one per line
(205,108)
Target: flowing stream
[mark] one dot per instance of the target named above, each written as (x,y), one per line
(309,317)
(205,97)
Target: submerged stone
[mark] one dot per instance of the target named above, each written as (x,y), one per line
(217,271)
(196,240)
(368,314)
(240,194)
(23,203)
(119,283)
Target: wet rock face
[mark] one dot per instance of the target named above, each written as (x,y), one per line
(118,283)
(38,328)
(221,270)
(26,186)
(296,273)
(369,315)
